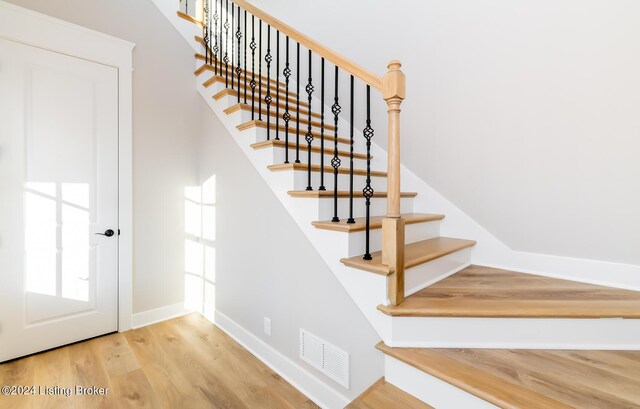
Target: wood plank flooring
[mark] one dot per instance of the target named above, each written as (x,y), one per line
(534,379)
(488,292)
(383,395)
(182,363)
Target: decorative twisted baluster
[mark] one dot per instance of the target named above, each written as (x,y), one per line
(309,136)
(205,33)
(215,36)
(253,47)
(298,103)
(335,162)
(226,47)
(233,21)
(268,58)
(277,85)
(238,67)
(287,115)
(246,34)
(260,74)
(367,192)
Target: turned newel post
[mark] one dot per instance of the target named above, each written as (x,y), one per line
(394,91)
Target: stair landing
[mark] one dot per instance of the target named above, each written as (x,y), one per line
(488,292)
(534,379)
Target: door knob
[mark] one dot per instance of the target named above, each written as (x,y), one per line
(107,233)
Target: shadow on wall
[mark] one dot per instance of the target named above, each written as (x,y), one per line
(199,248)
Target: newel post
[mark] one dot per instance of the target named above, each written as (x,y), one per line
(394,91)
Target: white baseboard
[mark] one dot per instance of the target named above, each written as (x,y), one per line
(289,370)
(142,319)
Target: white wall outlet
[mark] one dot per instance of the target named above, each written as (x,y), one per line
(267,326)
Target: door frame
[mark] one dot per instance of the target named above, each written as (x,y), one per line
(35,29)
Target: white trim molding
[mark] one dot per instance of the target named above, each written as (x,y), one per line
(39,30)
(296,375)
(142,319)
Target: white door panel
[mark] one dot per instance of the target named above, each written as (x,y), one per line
(58,188)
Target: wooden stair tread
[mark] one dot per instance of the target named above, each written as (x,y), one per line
(375,222)
(489,292)
(383,395)
(279,143)
(218,78)
(533,379)
(209,67)
(282,97)
(247,107)
(190,19)
(328,139)
(327,170)
(415,254)
(341,193)
(304,121)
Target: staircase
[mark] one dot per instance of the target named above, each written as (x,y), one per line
(454,334)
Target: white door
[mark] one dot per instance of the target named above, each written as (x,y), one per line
(58,190)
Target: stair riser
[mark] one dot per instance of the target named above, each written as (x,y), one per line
(279,156)
(515,333)
(430,389)
(413,232)
(378,206)
(300,181)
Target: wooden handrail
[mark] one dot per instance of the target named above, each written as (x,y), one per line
(342,62)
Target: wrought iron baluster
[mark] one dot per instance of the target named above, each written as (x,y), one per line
(322,187)
(287,115)
(226,47)
(238,67)
(233,22)
(221,43)
(215,36)
(277,85)
(335,162)
(253,46)
(367,192)
(351,220)
(246,34)
(205,32)
(268,58)
(260,74)
(309,136)
(297,103)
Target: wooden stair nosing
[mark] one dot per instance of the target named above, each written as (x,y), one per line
(190,19)
(327,169)
(234,93)
(247,107)
(219,78)
(485,386)
(303,148)
(328,194)
(375,222)
(417,253)
(272,125)
(292,122)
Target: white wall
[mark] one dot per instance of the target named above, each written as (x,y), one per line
(165,129)
(523,114)
(265,267)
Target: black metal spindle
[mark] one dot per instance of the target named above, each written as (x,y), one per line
(322,187)
(186,6)
(205,33)
(253,46)
(260,74)
(367,192)
(268,58)
(221,43)
(233,21)
(277,85)
(309,136)
(287,115)
(215,36)
(238,66)
(351,220)
(335,162)
(297,103)
(246,34)
(226,47)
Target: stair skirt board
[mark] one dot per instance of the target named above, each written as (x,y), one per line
(515,333)
(429,389)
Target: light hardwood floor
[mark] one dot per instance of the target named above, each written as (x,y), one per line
(383,395)
(183,363)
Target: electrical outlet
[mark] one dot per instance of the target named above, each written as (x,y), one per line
(267,326)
